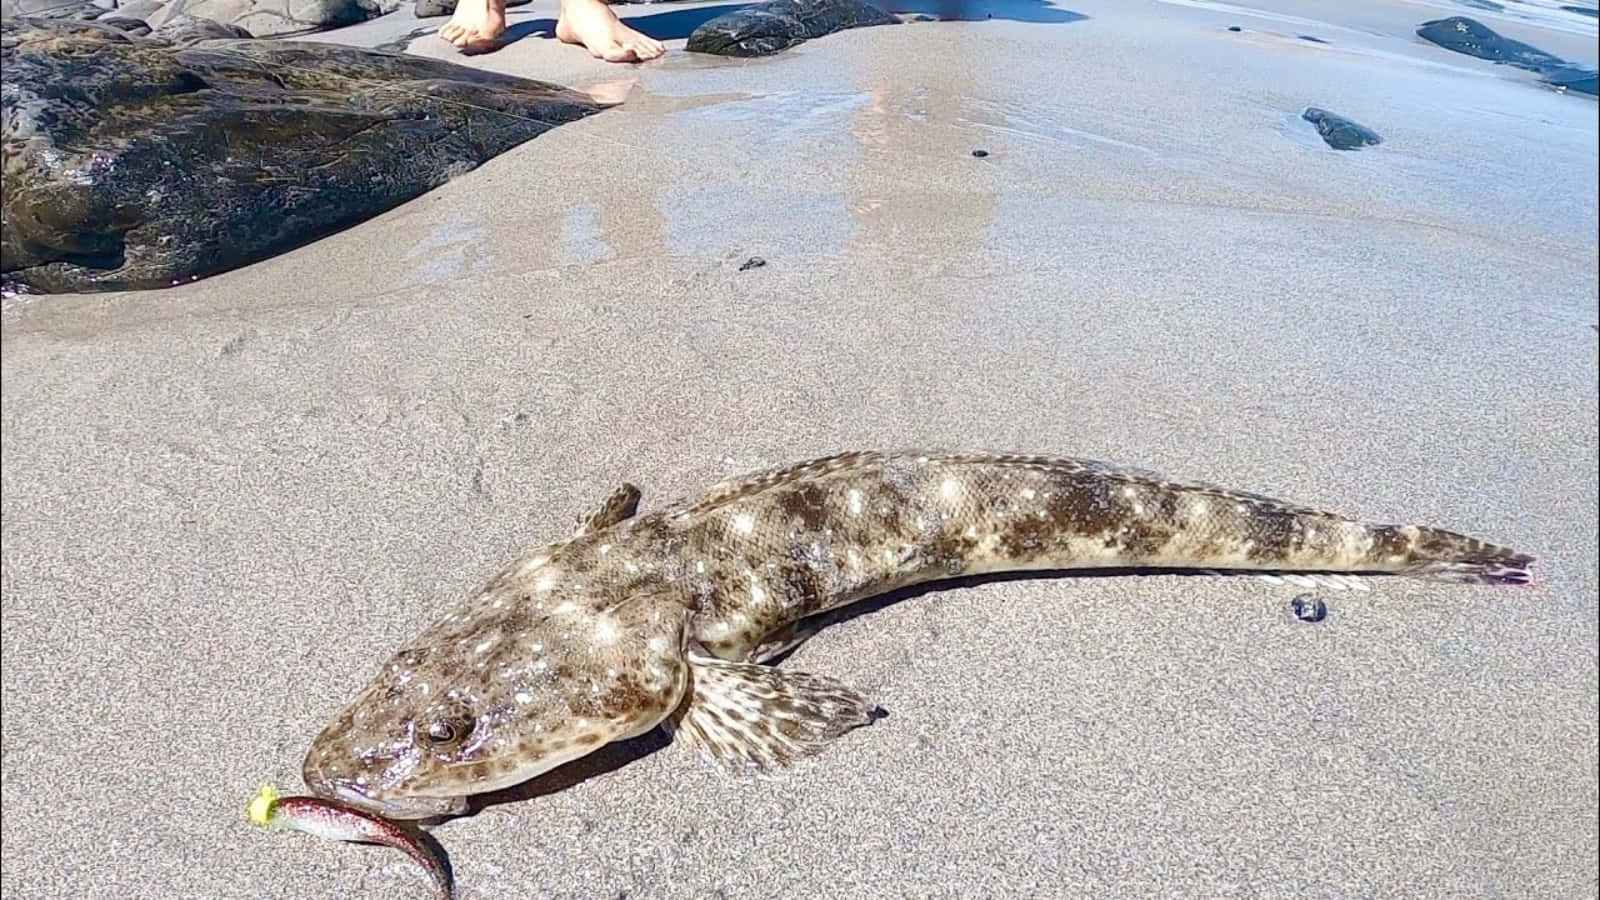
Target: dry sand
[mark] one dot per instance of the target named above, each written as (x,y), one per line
(224,504)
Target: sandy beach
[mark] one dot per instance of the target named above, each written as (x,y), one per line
(226,503)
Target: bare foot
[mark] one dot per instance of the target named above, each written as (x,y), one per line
(477,25)
(593,24)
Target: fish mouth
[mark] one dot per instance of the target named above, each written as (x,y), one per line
(406,807)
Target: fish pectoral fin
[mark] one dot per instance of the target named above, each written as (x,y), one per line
(621,504)
(746,716)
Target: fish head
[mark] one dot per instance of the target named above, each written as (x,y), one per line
(487,700)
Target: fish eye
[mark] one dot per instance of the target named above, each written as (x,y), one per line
(446,731)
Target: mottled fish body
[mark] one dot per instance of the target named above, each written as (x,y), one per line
(665,618)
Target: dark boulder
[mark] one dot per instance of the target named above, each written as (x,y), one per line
(185,30)
(271,18)
(780,24)
(1473,38)
(126,25)
(80,10)
(134,162)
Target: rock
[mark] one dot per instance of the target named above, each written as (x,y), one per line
(1469,36)
(1573,78)
(125,24)
(779,24)
(81,10)
(426,9)
(1340,133)
(185,30)
(138,9)
(1309,608)
(270,18)
(134,163)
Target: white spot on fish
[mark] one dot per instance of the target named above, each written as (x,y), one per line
(524,697)
(855,501)
(605,630)
(1029,493)
(758,593)
(950,489)
(545,582)
(566,607)
(744,523)
(485,644)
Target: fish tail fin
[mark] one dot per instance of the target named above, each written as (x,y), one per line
(1438,555)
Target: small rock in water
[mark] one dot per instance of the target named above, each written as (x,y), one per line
(754,262)
(1309,608)
(1234,28)
(1338,132)
(980,153)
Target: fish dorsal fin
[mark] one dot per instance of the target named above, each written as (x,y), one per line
(620,505)
(744,485)
(751,717)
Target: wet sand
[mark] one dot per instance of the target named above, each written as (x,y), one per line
(224,504)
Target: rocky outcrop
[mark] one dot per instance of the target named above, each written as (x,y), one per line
(82,10)
(139,162)
(270,18)
(1341,133)
(262,18)
(1469,36)
(780,24)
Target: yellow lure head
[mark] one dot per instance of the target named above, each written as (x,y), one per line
(261,806)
